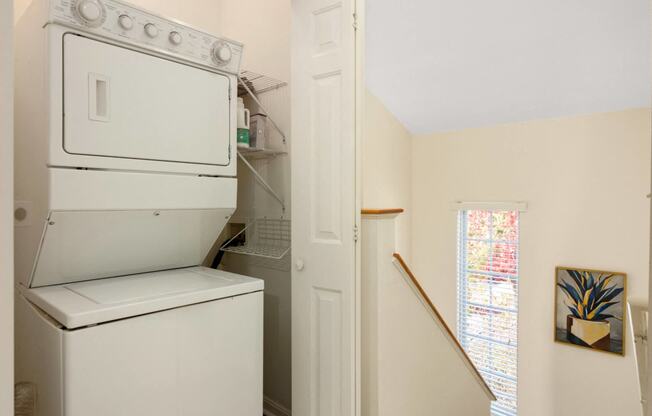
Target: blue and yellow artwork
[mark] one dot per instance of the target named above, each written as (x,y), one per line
(590,308)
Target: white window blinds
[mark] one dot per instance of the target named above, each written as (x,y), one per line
(488,299)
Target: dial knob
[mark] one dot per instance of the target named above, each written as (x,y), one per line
(151,30)
(125,22)
(175,38)
(90,12)
(222,53)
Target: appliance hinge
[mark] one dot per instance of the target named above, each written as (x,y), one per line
(356,233)
(355,21)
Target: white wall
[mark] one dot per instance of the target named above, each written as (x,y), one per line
(6,211)
(386,166)
(585,180)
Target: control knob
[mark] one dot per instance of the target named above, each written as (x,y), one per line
(175,38)
(125,22)
(222,53)
(89,12)
(151,30)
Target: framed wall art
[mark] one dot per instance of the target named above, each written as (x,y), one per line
(590,308)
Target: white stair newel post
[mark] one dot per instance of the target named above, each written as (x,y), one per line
(378,245)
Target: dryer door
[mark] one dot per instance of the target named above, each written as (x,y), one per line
(121,103)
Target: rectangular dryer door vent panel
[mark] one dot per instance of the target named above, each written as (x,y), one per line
(126,104)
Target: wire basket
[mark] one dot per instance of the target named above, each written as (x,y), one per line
(264,237)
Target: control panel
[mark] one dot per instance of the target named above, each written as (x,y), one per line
(117,20)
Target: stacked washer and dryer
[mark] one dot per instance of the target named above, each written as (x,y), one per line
(125,176)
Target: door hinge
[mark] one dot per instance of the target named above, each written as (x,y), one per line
(355,21)
(356,233)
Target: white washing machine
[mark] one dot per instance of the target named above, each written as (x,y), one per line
(125,177)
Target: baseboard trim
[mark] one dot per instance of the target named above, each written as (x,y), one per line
(273,408)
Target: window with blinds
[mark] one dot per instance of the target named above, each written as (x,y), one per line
(488,299)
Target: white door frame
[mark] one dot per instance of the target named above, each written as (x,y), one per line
(360,94)
(6,209)
(648,393)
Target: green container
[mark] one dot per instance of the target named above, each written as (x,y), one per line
(243,137)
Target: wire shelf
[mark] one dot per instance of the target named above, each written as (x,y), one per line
(251,84)
(258,83)
(258,153)
(263,237)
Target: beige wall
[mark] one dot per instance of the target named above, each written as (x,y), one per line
(585,180)
(6,212)
(386,172)
(264,27)
(203,14)
(19,8)
(409,364)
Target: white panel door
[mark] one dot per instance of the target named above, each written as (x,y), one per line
(126,104)
(323,208)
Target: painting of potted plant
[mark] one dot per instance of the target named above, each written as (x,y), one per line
(590,308)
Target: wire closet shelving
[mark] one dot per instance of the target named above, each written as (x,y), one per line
(263,237)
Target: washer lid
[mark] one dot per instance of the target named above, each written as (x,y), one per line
(80,304)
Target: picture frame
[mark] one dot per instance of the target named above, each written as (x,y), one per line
(591,309)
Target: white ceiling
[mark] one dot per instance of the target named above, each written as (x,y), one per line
(442,65)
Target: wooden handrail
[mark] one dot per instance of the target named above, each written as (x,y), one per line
(426,301)
(381,211)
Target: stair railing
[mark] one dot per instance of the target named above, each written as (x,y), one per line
(423,297)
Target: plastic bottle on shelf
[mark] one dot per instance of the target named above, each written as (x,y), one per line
(243,124)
